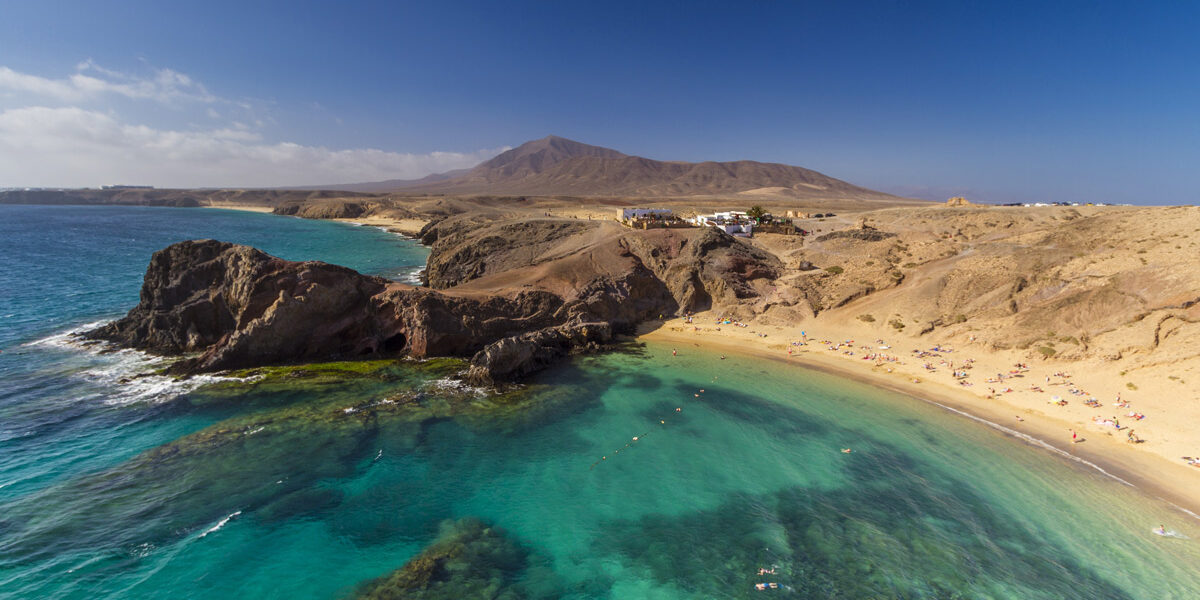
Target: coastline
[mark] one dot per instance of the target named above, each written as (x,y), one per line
(406,227)
(1149,470)
(241,207)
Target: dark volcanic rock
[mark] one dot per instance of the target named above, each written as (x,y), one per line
(239,307)
(324,209)
(468,560)
(243,307)
(236,307)
(519,355)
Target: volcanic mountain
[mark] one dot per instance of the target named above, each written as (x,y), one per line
(558,166)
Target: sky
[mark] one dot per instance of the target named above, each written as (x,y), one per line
(996,101)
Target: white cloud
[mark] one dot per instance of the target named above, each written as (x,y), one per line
(91,81)
(75,147)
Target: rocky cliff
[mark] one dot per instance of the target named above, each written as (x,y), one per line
(516,295)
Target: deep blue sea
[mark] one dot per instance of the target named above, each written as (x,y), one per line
(311,486)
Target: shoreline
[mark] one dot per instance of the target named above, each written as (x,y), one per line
(242,207)
(407,227)
(1148,472)
(410,228)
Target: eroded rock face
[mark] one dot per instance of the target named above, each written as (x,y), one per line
(460,255)
(234,307)
(518,355)
(243,307)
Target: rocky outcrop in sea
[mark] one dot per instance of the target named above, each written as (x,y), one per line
(514,296)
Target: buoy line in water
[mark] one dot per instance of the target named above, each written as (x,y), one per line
(635,439)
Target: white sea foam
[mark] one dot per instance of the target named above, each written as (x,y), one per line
(452,384)
(1035,441)
(68,338)
(255,430)
(412,277)
(221,523)
(1171,533)
(122,373)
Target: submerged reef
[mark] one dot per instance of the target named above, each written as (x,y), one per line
(469,559)
(292,428)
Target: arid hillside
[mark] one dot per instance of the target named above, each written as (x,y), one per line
(555,166)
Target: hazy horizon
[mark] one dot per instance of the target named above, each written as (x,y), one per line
(1076,102)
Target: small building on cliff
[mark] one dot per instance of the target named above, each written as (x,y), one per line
(650,218)
(732,222)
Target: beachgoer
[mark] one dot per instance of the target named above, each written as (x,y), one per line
(1074,436)
(673,352)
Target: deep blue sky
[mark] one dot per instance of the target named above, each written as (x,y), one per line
(1014,101)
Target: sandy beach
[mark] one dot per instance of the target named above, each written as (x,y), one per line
(242,207)
(409,227)
(1153,466)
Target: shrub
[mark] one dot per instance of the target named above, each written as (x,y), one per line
(896,324)
(836,270)
(1131,386)
(960,318)
(866,318)
(1047,351)
(910,265)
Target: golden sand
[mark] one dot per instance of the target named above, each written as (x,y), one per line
(1154,466)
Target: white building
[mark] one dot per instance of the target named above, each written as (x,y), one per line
(732,222)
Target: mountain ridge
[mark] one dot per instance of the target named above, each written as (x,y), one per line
(556,165)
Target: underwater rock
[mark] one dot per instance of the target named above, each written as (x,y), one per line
(468,560)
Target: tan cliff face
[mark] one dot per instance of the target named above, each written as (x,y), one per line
(1060,281)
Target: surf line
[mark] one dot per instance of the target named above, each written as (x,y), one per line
(1032,440)
(220,523)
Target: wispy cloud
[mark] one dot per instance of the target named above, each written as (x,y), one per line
(91,81)
(75,147)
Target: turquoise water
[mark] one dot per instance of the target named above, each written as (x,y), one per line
(310,487)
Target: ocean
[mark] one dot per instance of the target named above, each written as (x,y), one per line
(627,474)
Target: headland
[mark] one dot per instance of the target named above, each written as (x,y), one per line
(1053,321)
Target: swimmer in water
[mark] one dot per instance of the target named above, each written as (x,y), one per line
(846,451)
(1161,530)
